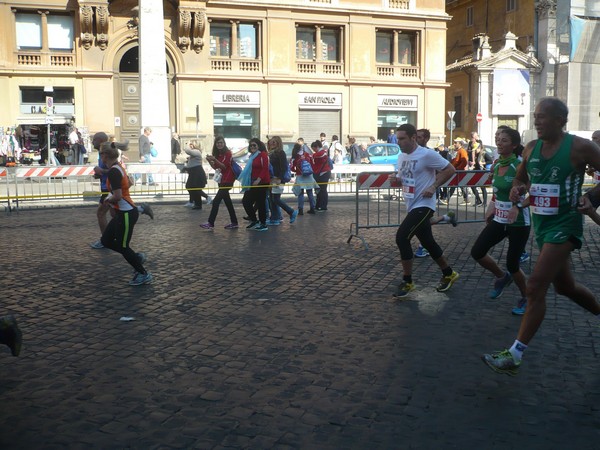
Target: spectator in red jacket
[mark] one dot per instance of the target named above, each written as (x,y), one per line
(260,180)
(322,174)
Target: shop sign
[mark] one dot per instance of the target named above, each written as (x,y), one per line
(240,99)
(319,100)
(397,102)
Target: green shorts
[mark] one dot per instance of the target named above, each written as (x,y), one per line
(558,229)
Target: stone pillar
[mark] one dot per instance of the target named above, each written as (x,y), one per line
(154,92)
(547,51)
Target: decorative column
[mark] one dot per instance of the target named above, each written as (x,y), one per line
(547,48)
(154,94)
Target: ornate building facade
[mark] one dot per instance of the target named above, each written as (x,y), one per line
(236,68)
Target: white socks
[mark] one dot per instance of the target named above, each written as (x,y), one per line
(517,350)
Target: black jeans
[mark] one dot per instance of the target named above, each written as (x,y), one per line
(322,196)
(223,194)
(256,196)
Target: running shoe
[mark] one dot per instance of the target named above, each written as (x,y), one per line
(141,278)
(261,227)
(403,289)
(273,222)
(311,211)
(11,334)
(452,216)
(207,226)
(500,284)
(524,257)
(253,224)
(147,209)
(189,205)
(209,199)
(502,362)
(231,226)
(294,216)
(519,310)
(443,201)
(97,244)
(447,282)
(421,252)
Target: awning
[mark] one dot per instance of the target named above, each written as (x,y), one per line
(40,119)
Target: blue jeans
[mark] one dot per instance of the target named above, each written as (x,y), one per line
(311,199)
(146,159)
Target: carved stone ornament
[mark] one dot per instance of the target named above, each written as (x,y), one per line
(198,30)
(102,27)
(86,15)
(184,25)
(545,8)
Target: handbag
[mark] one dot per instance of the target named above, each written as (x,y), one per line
(218,176)
(237,169)
(153,152)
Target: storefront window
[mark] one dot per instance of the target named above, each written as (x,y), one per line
(236,123)
(33,100)
(386,120)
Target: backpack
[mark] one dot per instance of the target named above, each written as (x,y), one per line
(237,169)
(306,167)
(287,175)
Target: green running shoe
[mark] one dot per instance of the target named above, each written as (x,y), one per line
(404,289)
(447,282)
(502,362)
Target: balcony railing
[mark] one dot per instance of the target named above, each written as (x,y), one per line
(399,4)
(45,59)
(398,72)
(319,68)
(250,66)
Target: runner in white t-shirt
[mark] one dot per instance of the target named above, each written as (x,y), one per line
(420,173)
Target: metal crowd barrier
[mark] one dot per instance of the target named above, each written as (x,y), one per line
(59,186)
(379,204)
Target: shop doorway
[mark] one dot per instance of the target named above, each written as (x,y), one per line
(127,89)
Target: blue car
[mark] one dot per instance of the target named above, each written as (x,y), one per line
(384,153)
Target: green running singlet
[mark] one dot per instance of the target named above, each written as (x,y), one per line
(554,193)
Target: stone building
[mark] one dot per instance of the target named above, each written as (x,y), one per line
(237,68)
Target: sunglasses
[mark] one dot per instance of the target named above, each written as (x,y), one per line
(253,146)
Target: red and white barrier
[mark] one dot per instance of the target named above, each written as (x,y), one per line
(469,178)
(374,181)
(3,171)
(60,171)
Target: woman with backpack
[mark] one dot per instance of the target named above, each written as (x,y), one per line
(281,175)
(221,161)
(302,166)
(322,174)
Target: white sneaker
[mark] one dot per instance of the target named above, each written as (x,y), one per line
(97,244)
(209,200)
(189,205)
